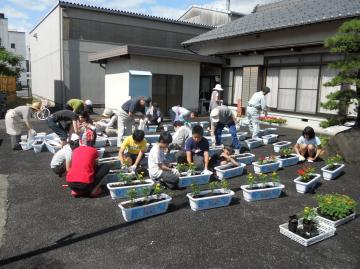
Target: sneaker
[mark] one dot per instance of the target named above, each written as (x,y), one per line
(74,194)
(97,193)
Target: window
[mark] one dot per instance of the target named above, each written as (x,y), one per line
(12,45)
(272,81)
(287,89)
(308,79)
(326,75)
(227,84)
(238,80)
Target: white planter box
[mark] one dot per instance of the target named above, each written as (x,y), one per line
(112,141)
(270,130)
(266,168)
(302,187)
(215,150)
(38,147)
(226,139)
(288,161)
(222,172)
(242,136)
(253,143)
(336,223)
(113,162)
(100,142)
(52,146)
(330,175)
(112,176)
(261,132)
(151,139)
(121,192)
(262,194)
(52,136)
(25,145)
(270,138)
(40,136)
(246,158)
(185,181)
(145,211)
(204,124)
(281,144)
(197,204)
(168,127)
(324,233)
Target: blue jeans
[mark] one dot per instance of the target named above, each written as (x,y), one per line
(232,128)
(57,128)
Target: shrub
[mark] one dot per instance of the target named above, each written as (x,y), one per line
(336,206)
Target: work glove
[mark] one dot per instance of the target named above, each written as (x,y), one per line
(159,120)
(206,172)
(133,168)
(175,172)
(301,158)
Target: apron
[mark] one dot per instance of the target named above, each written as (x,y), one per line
(13,122)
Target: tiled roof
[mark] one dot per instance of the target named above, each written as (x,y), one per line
(283,14)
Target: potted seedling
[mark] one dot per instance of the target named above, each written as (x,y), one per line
(242,135)
(307,179)
(266,164)
(287,157)
(253,143)
(334,167)
(262,187)
(182,168)
(218,195)
(335,209)
(191,176)
(269,138)
(293,223)
(229,170)
(150,205)
(308,220)
(281,144)
(129,182)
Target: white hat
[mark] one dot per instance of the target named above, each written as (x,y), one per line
(107,112)
(214,115)
(218,87)
(88,103)
(74,137)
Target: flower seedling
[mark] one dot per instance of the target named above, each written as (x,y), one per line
(140,177)
(309,214)
(182,167)
(332,161)
(124,177)
(213,185)
(195,190)
(275,178)
(158,190)
(225,184)
(335,206)
(250,179)
(266,160)
(192,168)
(263,178)
(132,194)
(285,152)
(306,173)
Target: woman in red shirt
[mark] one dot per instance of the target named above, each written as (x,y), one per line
(85,175)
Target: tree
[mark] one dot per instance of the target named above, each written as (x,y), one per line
(10,64)
(346,42)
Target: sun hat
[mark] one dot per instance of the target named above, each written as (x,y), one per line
(36,105)
(107,112)
(218,88)
(214,115)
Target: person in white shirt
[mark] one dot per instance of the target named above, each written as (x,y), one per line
(215,97)
(108,124)
(60,163)
(156,163)
(154,115)
(182,132)
(308,146)
(178,113)
(257,103)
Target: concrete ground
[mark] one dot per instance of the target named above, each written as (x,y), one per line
(47,228)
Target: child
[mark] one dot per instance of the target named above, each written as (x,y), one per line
(196,150)
(156,162)
(85,175)
(135,146)
(225,157)
(60,163)
(308,146)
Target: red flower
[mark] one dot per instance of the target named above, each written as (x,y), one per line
(261,158)
(301,172)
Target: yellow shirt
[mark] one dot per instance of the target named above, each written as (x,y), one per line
(132,146)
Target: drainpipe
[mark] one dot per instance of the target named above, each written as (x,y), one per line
(228,10)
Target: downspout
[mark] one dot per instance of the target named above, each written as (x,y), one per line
(63,90)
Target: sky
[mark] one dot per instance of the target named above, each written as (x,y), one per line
(23,15)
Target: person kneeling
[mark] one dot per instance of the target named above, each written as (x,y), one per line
(86,175)
(308,146)
(136,147)
(156,162)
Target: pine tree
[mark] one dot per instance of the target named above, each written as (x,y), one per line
(347,43)
(10,64)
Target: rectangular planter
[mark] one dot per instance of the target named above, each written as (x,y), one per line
(197,204)
(194,123)
(246,158)
(226,139)
(253,143)
(185,181)
(168,127)
(281,144)
(270,138)
(52,136)
(204,124)
(40,136)
(113,162)
(288,161)
(330,175)
(324,233)
(224,173)
(121,192)
(270,130)
(302,187)
(336,223)
(151,129)
(266,168)
(112,141)
(208,138)
(100,142)
(38,148)
(151,139)
(145,211)
(215,150)
(242,136)
(112,176)
(52,146)
(262,194)
(261,132)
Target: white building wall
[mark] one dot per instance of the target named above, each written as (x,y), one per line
(189,70)
(4,35)
(18,38)
(45,57)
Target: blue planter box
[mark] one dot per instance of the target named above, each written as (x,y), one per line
(151,139)
(288,161)
(197,204)
(281,144)
(253,143)
(242,135)
(246,158)
(216,150)
(266,168)
(226,139)
(262,194)
(204,124)
(185,181)
(170,157)
(145,211)
(270,138)
(222,172)
(151,129)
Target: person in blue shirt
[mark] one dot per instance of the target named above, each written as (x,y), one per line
(308,146)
